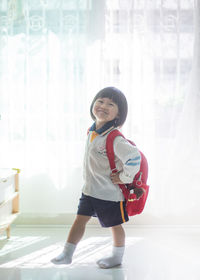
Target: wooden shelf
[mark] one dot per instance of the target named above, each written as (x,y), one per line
(15,194)
(10,206)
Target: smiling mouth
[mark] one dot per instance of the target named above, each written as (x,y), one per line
(101,111)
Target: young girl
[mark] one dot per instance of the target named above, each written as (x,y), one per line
(101,195)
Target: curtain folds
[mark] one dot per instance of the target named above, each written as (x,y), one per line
(183,160)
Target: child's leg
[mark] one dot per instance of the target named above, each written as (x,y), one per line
(78,229)
(118,248)
(118,234)
(75,235)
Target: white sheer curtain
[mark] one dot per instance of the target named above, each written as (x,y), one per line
(184,157)
(55,56)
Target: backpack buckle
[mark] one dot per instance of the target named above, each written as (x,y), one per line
(139,181)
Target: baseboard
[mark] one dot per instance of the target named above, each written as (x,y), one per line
(64,219)
(48,219)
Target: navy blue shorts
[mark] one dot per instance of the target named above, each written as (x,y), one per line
(109,213)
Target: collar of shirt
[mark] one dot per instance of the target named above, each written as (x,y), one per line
(104,129)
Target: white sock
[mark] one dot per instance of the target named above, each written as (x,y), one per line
(66,256)
(114,260)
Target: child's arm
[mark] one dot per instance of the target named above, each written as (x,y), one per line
(130,158)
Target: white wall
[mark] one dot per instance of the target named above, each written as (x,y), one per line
(41,197)
(42,202)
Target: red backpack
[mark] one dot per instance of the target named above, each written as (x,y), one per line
(135,193)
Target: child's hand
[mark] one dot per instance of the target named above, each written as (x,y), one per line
(115,178)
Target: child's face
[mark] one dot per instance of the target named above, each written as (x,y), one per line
(104,110)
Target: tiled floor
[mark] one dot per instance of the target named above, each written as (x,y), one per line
(164,253)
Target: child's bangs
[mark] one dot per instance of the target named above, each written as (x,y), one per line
(111,95)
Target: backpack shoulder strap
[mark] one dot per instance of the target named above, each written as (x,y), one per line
(110,148)
(111,157)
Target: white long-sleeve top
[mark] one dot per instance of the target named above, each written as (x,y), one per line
(97,182)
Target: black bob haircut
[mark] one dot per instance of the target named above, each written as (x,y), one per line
(118,98)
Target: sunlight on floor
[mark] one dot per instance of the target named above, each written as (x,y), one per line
(151,254)
(87,251)
(18,242)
